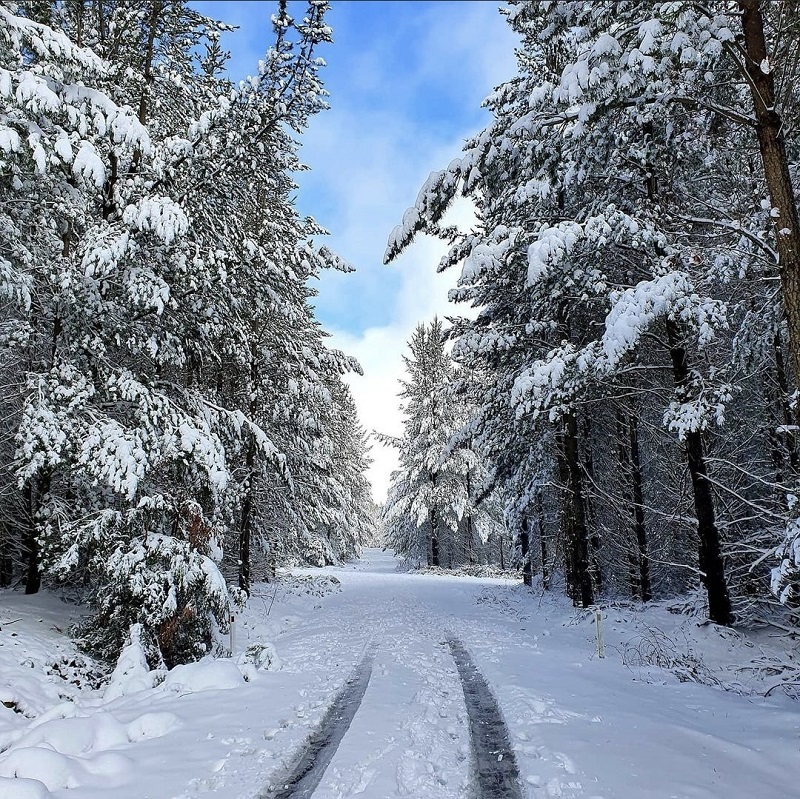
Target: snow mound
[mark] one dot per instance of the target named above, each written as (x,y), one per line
(39,666)
(152,725)
(205,675)
(55,770)
(11,788)
(132,673)
(76,736)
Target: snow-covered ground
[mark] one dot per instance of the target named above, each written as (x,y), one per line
(580,726)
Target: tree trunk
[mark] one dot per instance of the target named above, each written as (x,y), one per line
(542,542)
(6,560)
(33,574)
(595,541)
(470,526)
(788,417)
(626,475)
(576,543)
(245,525)
(769,128)
(524,545)
(710,550)
(470,540)
(101,20)
(434,539)
(638,509)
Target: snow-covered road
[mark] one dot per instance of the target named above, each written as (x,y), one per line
(579,726)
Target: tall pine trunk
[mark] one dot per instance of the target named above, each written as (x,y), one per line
(769,128)
(542,542)
(595,542)
(33,574)
(434,550)
(631,474)
(470,526)
(709,545)
(638,509)
(6,559)
(786,409)
(576,534)
(524,545)
(246,520)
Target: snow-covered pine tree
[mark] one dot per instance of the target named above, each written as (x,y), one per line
(147,224)
(616,217)
(432,514)
(416,508)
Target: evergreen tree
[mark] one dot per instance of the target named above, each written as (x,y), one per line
(432,513)
(620,255)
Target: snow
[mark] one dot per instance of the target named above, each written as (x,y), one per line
(9,139)
(89,164)
(618,727)
(551,246)
(205,675)
(160,215)
(131,673)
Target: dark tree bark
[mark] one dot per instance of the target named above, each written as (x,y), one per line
(470,541)
(542,542)
(33,574)
(788,416)
(576,534)
(6,560)
(709,545)
(595,542)
(79,9)
(638,509)
(246,520)
(524,545)
(470,527)
(769,129)
(434,539)
(624,456)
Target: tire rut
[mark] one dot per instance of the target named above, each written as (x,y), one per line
(496,771)
(314,758)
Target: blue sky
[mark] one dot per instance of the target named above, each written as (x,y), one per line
(406,80)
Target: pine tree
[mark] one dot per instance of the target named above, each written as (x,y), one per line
(618,238)
(433,513)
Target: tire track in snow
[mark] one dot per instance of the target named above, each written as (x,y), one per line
(496,772)
(322,744)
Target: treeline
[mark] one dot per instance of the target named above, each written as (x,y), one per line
(173,419)
(633,361)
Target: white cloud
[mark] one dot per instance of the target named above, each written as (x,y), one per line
(370,163)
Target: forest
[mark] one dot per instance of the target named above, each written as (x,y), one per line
(174,422)
(614,411)
(584,579)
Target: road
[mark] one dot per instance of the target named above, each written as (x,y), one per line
(387,684)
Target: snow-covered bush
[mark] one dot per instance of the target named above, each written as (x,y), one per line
(168,584)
